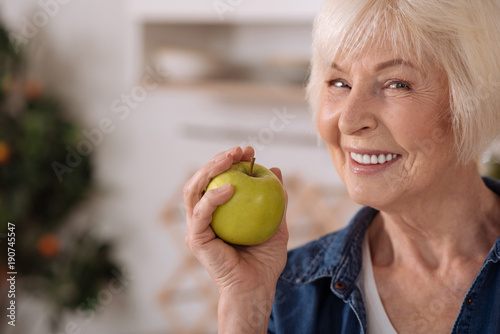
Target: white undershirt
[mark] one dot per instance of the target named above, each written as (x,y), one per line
(377,321)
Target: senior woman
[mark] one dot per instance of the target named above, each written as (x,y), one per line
(405,95)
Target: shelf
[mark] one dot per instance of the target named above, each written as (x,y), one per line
(239,60)
(243,90)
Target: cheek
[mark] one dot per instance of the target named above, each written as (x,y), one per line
(428,130)
(426,144)
(327,123)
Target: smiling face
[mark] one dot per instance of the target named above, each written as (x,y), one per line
(387,126)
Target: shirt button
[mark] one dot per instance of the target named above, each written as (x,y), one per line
(339,285)
(468,300)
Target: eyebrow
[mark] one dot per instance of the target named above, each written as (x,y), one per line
(381,66)
(394,62)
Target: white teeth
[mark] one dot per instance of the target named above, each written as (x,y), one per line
(366,159)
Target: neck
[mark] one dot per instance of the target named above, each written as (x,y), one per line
(457,219)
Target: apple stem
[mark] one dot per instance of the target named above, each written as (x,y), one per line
(251,166)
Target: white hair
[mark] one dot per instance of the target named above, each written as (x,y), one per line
(461,36)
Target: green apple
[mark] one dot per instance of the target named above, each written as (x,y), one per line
(256,208)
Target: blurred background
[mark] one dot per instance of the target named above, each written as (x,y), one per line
(108,108)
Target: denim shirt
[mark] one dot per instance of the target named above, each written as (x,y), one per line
(317,291)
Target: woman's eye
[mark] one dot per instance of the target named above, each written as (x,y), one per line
(399,85)
(339,84)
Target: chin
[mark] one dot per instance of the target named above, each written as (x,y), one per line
(365,199)
(377,195)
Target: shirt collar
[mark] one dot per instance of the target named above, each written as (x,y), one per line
(336,256)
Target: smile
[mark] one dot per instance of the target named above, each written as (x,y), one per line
(372,159)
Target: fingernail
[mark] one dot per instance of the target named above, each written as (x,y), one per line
(224,187)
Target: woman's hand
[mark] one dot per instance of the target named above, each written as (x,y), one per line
(246,276)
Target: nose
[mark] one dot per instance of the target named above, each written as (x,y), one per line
(358,113)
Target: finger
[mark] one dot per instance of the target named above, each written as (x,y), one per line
(197,184)
(223,154)
(283,226)
(194,188)
(277,172)
(248,153)
(198,230)
(235,152)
